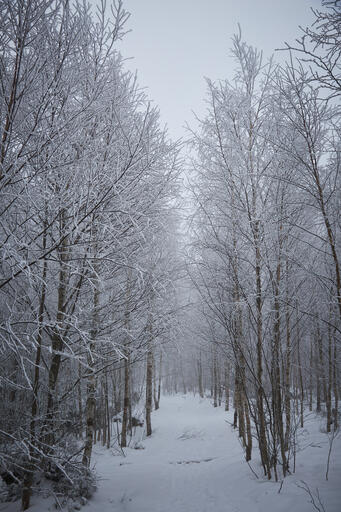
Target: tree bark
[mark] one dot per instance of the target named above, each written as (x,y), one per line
(149,380)
(227,385)
(91,381)
(126,397)
(28,479)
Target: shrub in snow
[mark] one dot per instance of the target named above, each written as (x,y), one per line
(136,422)
(78,482)
(12,463)
(138,446)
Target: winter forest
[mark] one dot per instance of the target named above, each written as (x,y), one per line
(170,310)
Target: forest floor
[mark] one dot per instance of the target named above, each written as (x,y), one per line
(193,462)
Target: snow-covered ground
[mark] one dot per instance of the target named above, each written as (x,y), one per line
(193,462)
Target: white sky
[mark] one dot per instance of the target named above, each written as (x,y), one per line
(174,44)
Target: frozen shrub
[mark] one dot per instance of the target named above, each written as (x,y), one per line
(77,483)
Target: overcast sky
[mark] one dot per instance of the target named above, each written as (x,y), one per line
(174,44)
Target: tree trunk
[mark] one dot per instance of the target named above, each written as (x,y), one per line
(227,385)
(276,375)
(248,448)
(263,448)
(149,381)
(215,379)
(159,381)
(28,479)
(80,407)
(311,367)
(300,376)
(318,380)
(335,381)
(89,414)
(107,411)
(200,383)
(330,383)
(57,338)
(126,397)
(287,404)
(91,381)
(126,401)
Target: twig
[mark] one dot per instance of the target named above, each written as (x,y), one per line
(253,471)
(57,501)
(317,505)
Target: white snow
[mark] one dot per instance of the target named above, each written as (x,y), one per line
(193,462)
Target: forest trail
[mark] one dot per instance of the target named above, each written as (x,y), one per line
(180,468)
(193,462)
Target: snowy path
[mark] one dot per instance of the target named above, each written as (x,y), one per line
(194,463)
(181,467)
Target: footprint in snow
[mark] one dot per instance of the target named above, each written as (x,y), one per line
(191,433)
(193,461)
